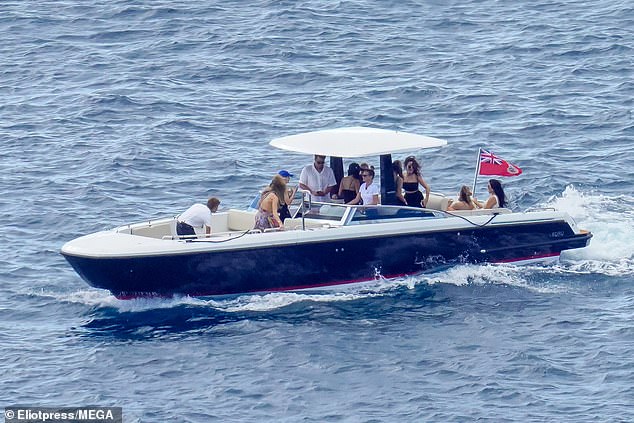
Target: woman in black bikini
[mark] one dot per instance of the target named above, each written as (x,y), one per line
(397,170)
(411,179)
(349,186)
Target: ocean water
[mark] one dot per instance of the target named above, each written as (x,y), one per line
(115,112)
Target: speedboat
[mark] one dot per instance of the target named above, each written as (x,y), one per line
(323,244)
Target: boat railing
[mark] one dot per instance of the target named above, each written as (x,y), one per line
(536,209)
(324,215)
(152,228)
(477,212)
(183,237)
(267,230)
(212,235)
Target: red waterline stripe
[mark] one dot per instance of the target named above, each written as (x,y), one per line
(535,257)
(336,283)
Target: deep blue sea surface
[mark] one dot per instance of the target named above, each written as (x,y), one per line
(119,111)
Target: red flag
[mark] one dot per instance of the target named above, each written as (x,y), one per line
(490,164)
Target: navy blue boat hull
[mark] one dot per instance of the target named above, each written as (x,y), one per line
(325,263)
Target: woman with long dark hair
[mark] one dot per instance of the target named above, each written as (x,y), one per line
(497,198)
(349,185)
(397,170)
(411,180)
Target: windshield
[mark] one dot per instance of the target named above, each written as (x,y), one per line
(356,215)
(363,215)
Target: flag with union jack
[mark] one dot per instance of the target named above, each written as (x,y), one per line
(490,164)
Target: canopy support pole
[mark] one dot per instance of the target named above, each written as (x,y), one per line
(388,187)
(336,164)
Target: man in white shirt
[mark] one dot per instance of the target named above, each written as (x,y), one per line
(318,179)
(197,216)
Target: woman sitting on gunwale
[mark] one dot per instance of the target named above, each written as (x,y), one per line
(497,198)
(465,202)
(268,208)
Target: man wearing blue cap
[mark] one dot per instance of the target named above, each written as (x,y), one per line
(290,193)
(285,174)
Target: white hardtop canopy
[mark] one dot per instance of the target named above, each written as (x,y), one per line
(355,141)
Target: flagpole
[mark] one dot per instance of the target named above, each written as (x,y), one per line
(475,177)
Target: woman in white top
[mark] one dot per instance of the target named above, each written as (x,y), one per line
(496,199)
(369,191)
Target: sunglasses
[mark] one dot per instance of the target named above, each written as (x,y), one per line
(321,162)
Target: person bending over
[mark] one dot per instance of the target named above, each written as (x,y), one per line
(197,216)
